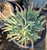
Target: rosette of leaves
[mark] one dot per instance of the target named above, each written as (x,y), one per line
(39,3)
(24,26)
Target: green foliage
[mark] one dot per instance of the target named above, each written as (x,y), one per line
(39,3)
(24,26)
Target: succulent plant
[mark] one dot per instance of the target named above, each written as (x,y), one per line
(24,26)
(39,3)
(4,10)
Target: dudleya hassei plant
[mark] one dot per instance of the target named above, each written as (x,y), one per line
(24,26)
(39,3)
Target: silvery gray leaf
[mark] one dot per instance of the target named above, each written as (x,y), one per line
(39,3)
